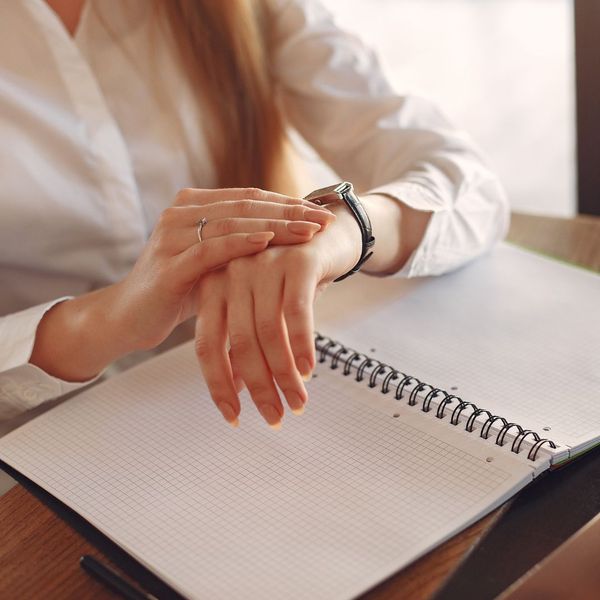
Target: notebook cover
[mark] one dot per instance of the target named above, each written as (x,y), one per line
(536,523)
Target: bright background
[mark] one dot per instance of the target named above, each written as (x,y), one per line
(501,69)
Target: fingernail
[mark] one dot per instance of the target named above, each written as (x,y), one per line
(323,217)
(302,227)
(229,414)
(239,384)
(271,415)
(261,237)
(295,402)
(304,368)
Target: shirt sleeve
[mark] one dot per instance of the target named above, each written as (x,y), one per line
(335,94)
(23,385)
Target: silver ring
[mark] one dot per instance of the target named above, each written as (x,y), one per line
(199,225)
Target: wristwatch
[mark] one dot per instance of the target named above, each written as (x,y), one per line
(344,192)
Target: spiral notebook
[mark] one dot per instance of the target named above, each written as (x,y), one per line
(433,401)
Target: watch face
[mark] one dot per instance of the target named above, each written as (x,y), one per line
(331,193)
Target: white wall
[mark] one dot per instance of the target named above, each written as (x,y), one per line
(501,69)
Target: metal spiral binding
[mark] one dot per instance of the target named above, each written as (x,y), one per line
(398,382)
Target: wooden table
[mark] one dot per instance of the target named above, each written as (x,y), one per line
(39,553)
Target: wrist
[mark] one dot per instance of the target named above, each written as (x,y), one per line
(342,243)
(121,317)
(343,193)
(99,331)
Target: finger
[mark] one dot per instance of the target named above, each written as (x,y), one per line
(179,227)
(298,298)
(258,209)
(188,196)
(273,339)
(286,232)
(248,355)
(210,345)
(186,216)
(209,254)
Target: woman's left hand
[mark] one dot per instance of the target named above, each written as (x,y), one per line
(263,305)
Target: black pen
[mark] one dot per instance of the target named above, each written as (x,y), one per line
(112,579)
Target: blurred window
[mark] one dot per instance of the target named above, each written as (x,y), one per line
(501,69)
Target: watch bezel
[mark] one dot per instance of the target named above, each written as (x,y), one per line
(331,193)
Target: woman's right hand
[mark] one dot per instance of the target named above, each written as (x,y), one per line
(155,294)
(78,338)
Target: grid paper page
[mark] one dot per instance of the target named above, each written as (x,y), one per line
(513,332)
(325,508)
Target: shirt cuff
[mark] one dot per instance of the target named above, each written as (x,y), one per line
(23,385)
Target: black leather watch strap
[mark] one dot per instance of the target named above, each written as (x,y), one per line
(345,192)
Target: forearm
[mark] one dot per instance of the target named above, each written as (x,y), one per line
(79,338)
(398,231)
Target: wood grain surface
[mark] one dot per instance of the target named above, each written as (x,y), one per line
(39,553)
(574,240)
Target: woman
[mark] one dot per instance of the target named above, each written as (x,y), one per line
(110,108)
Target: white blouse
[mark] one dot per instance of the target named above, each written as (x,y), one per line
(100,130)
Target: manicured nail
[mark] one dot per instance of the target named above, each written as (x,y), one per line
(295,402)
(302,227)
(229,414)
(271,415)
(304,368)
(239,384)
(323,217)
(261,237)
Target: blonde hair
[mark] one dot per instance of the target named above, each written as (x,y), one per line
(224,48)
